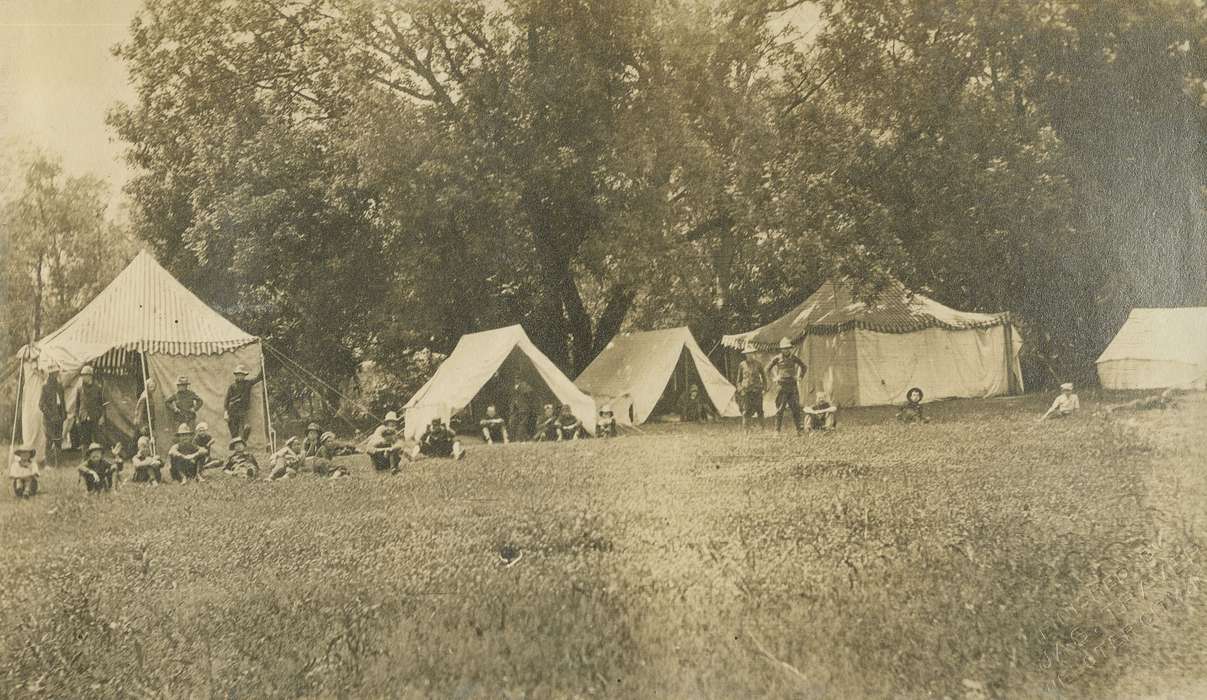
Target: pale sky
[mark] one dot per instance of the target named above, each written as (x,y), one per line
(58,78)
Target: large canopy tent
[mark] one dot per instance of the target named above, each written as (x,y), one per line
(643,374)
(144,324)
(482,370)
(1157,349)
(867,354)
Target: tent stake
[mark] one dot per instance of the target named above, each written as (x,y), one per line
(272,434)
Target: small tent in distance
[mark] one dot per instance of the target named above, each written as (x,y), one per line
(644,374)
(145,323)
(868,354)
(483,370)
(1157,349)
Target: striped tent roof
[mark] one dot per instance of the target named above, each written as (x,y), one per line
(145,308)
(835,308)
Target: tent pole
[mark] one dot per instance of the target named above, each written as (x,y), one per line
(272,435)
(12,441)
(142,358)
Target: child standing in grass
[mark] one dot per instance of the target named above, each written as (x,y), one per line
(23,470)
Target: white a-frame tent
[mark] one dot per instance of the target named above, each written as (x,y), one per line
(482,369)
(642,374)
(1157,349)
(144,324)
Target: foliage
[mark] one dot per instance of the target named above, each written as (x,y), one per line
(979,555)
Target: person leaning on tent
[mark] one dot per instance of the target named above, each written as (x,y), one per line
(1065,405)
(494,428)
(89,407)
(24,472)
(521,410)
(384,451)
(97,472)
(185,458)
(546,425)
(54,412)
(823,415)
(752,384)
(694,407)
(605,424)
(240,462)
(438,441)
(787,370)
(911,412)
(238,402)
(184,404)
(148,468)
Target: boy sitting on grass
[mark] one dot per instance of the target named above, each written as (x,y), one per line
(822,415)
(23,470)
(568,426)
(323,462)
(605,424)
(494,428)
(283,464)
(96,471)
(911,412)
(148,468)
(185,458)
(205,442)
(1065,405)
(240,462)
(438,441)
(546,425)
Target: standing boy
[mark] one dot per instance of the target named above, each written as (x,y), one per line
(788,370)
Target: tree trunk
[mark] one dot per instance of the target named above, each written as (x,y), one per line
(38,293)
(619,300)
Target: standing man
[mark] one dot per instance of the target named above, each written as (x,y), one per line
(89,407)
(184,404)
(752,384)
(521,411)
(54,413)
(238,402)
(788,370)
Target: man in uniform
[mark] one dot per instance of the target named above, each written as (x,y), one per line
(752,384)
(494,428)
(54,413)
(238,402)
(788,371)
(185,458)
(89,407)
(184,404)
(96,471)
(521,410)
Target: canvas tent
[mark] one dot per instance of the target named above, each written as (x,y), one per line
(145,323)
(482,369)
(1157,349)
(866,354)
(644,374)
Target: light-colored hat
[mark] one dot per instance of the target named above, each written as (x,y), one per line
(25,449)
(144,441)
(291,441)
(87,370)
(315,427)
(240,369)
(391,417)
(327,436)
(184,429)
(785,344)
(182,380)
(94,447)
(236,440)
(202,428)
(1067,386)
(606,409)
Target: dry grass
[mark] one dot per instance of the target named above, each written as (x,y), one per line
(979,555)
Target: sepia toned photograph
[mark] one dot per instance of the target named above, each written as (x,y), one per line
(603,348)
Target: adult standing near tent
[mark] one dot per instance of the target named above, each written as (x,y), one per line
(521,411)
(752,384)
(238,399)
(788,370)
(54,412)
(185,403)
(89,407)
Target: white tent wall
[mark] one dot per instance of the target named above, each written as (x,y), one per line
(209,376)
(1151,374)
(1157,348)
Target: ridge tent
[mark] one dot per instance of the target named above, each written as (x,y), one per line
(864,354)
(643,374)
(481,370)
(1157,349)
(144,324)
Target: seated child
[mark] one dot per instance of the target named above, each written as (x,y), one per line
(439,441)
(822,415)
(605,424)
(205,442)
(323,462)
(23,470)
(546,424)
(283,464)
(384,451)
(911,412)
(96,471)
(240,462)
(568,426)
(1066,404)
(148,468)
(185,458)
(310,445)
(494,428)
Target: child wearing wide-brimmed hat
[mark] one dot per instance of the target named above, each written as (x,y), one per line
(24,472)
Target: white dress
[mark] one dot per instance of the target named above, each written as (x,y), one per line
(16,470)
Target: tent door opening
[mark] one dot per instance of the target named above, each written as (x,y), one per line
(684,375)
(499,391)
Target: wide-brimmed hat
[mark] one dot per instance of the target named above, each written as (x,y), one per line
(202,428)
(1067,386)
(315,427)
(913,389)
(184,429)
(391,417)
(94,447)
(785,344)
(182,380)
(87,370)
(240,369)
(236,440)
(605,410)
(25,449)
(327,436)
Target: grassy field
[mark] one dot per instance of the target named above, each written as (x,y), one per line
(981,555)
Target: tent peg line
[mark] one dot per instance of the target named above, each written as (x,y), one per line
(307,373)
